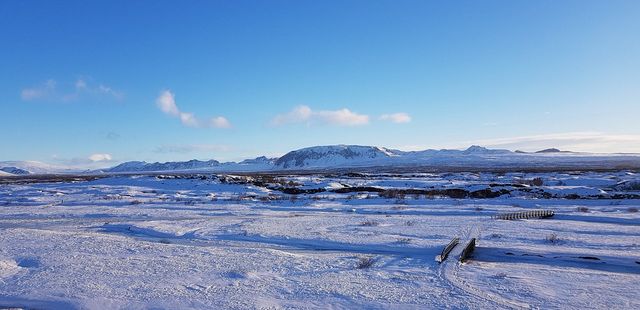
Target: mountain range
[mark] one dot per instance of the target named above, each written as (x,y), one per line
(358,157)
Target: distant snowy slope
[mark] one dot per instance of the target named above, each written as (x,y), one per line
(335,155)
(262,160)
(33,167)
(473,151)
(357,156)
(141,166)
(257,164)
(14,170)
(551,150)
(473,157)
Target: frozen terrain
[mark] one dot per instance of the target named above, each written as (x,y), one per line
(343,241)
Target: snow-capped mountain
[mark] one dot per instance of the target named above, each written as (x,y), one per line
(479,150)
(335,155)
(141,166)
(262,160)
(261,163)
(14,170)
(345,156)
(356,156)
(551,150)
(32,167)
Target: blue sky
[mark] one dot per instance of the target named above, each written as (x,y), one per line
(100,82)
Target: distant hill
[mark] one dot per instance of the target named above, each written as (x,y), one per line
(141,166)
(334,155)
(551,150)
(31,167)
(359,156)
(14,170)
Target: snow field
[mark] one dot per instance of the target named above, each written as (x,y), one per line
(145,242)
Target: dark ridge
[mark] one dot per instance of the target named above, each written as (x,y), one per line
(551,150)
(15,170)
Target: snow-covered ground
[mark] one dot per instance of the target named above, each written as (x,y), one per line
(203,242)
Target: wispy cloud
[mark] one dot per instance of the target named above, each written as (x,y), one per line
(192,148)
(593,142)
(571,141)
(51,90)
(166,102)
(103,89)
(397,118)
(304,114)
(46,89)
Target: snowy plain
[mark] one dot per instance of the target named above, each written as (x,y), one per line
(341,242)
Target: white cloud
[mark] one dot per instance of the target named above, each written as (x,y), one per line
(398,118)
(343,117)
(304,114)
(188,119)
(166,102)
(297,115)
(50,90)
(100,157)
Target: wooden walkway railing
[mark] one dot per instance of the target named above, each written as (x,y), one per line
(525,215)
(445,252)
(468,250)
